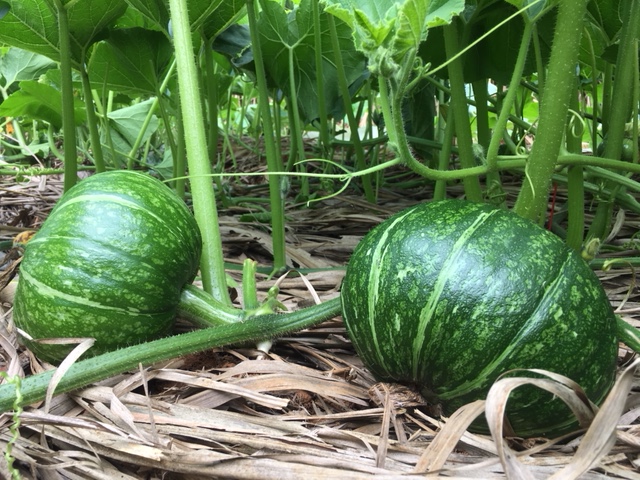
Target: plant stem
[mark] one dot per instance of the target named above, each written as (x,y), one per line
(444,157)
(481,97)
(384,100)
(179,153)
(274,160)
(211,87)
(532,199)
(620,104)
(92,122)
(197,306)
(295,124)
(322,109)
(628,334)
(510,97)
(204,206)
(249,286)
(346,100)
(68,115)
(460,110)
(575,177)
(94,369)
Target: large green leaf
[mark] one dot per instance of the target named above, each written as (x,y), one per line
(288,46)
(225,15)
(130,61)
(386,30)
(494,56)
(534,8)
(33,25)
(603,29)
(155,11)
(125,125)
(606,14)
(17,65)
(208,17)
(40,102)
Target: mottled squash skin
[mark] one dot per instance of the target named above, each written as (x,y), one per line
(109,263)
(449,295)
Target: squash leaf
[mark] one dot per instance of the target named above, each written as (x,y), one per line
(33,26)
(288,49)
(39,101)
(209,17)
(17,65)
(386,30)
(130,61)
(125,124)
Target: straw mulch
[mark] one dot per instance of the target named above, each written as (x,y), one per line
(305,409)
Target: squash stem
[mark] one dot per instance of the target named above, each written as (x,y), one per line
(103,366)
(204,204)
(66,87)
(202,310)
(628,334)
(532,198)
(460,111)
(277,183)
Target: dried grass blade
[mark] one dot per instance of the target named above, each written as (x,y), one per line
(497,398)
(601,436)
(62,369)
(384,399)
(238,390)
(436,454)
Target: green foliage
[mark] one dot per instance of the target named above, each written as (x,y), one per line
(33,26)
(39,101)
(126,127)
(288,50)
(131,61)
(17,65)
(494,56)
(206,16)
(386,30)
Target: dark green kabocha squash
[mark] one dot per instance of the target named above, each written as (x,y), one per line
(109,263)
(449,295)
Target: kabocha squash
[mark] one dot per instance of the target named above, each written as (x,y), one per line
(449,295)
(110,262)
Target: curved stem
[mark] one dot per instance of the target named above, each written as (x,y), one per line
(203,310)
(628,335)
(94,369)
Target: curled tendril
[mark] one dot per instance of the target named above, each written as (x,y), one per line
(577,124)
